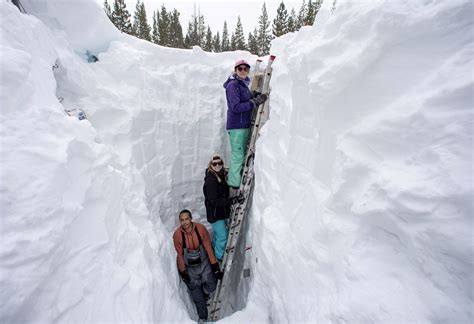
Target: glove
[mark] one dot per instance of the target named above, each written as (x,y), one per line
(255,93)
(238,199)
(260,99)
(217,272)
(185,276)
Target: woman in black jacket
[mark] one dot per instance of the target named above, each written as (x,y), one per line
(218,202)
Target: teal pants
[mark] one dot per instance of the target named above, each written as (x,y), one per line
(219,238)
(238,145)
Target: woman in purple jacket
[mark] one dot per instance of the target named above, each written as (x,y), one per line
(240,102)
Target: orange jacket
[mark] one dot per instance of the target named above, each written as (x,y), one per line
(192,242)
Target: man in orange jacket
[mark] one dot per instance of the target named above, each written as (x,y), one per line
(196,262)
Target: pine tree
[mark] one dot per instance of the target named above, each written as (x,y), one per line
(250,41)
(313,8)
(239,36)
(192,37)
(317,6)
(255,37)
(107,10)
(253,45)
(264,36)
(308,21)
(140,27)
(164,27)
(195,39)
(136,19)
(292,21)
(232,42)
(280,23)
(121,17)
(301,16)
(216,44)
(155,37)
(176,31)
(201,31)
(225,39)
(187,39)
(196,34)
(145,29)
(208,42)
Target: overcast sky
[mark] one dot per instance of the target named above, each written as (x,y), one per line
(215,12)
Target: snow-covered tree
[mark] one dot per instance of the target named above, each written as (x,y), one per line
(192,37)
(207,46)
(196,34)
(187,39)
(155,36)
(201,30)
(301,16)
(136,21)
(121,17)
(232,42)
(292,21)
(175,30)
(140,27)
(239,36)
(313,8)
(264,36)
(253,46)
(108,10)
(216,44)
(164,27)
(225,38)
(280,23)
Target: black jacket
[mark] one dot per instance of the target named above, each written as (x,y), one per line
(216,195)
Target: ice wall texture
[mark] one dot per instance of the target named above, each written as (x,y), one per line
(364,188)
(89,206)
(77,241)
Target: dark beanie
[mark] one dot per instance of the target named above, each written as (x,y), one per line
(186,211)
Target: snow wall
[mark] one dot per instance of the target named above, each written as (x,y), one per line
(362,207)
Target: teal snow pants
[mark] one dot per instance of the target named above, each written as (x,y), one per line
(238,145)
(219,238)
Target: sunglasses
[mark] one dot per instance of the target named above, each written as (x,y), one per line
(217,163)
(242,68)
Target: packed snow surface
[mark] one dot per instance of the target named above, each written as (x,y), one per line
(362,209)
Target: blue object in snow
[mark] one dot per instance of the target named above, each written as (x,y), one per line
(91,58)
(81,115)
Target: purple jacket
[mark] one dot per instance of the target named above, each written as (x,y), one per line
(239,106)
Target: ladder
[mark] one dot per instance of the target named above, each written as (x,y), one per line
(260,81)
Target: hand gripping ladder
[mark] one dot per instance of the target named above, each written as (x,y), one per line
(218,303)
